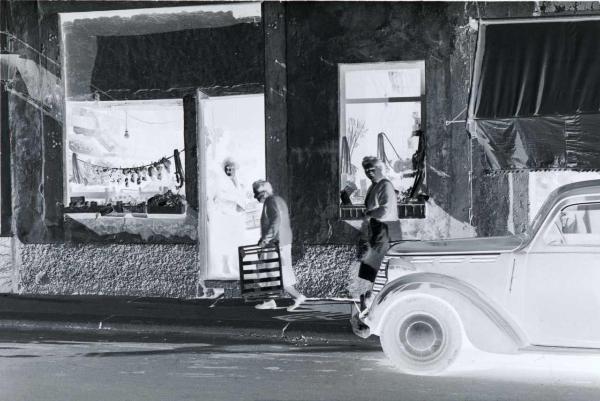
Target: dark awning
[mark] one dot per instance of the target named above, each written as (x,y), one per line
(535,99)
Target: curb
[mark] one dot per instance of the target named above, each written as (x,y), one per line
(285,335)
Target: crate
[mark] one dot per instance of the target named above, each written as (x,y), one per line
(260,272)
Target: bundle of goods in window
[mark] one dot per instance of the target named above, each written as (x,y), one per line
(137,190)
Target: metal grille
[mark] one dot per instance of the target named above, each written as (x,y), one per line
(382,276)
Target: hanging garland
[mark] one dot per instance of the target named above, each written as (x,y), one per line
(86,173)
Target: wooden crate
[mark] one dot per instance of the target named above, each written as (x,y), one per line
(260,272)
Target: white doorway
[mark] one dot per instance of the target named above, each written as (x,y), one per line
(232,157)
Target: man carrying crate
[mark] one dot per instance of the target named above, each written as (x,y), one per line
(275,230)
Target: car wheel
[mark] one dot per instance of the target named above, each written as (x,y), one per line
(422,335)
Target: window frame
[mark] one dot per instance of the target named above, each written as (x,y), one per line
(354,212)
(552,225)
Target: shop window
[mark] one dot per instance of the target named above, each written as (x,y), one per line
(381,108)
(126,154)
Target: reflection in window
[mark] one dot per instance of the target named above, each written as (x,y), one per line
(380,115)
(576,225)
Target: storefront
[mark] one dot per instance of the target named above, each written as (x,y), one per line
(136,133)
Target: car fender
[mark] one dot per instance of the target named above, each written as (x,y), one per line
(487,326)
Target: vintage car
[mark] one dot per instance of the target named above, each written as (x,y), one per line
(539,290)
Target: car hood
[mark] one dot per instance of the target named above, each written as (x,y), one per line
(460,246)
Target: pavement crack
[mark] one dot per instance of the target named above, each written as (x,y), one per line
(284,328)
(220,297)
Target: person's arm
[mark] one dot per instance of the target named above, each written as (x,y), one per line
(386,199)
(231,193)
(272,213)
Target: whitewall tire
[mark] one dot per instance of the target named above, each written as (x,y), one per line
(421,335)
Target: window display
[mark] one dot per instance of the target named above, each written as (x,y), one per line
(380,115)
(126,153)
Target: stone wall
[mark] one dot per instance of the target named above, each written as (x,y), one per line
(144,270)
(8,279)
(322,35)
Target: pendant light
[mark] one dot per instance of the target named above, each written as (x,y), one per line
(126,135)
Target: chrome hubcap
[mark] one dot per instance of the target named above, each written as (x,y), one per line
(422,336)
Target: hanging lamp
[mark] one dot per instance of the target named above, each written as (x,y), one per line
(126,135)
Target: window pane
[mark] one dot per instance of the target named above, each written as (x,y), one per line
(384,130)
(577,225)
(383,83)
(96,135)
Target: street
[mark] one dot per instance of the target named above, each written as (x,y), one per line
(51,366)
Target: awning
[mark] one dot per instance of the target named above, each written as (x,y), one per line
(535,97)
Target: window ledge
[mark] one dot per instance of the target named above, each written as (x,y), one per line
(405,211)
(152,228)
(128,216)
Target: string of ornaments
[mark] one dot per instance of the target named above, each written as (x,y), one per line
(89,174)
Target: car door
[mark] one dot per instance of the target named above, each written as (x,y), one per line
(560,294)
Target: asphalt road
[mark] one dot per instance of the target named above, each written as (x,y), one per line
(64,367)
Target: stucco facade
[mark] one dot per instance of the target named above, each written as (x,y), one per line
(303,45)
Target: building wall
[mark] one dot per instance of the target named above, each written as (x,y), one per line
(319,37)
(8,277)
(51,257)
(465,200)
(308,41)
(84,269)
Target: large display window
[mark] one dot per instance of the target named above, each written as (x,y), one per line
(381,108)
(126,152)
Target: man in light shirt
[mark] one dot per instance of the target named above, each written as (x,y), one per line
(381,204)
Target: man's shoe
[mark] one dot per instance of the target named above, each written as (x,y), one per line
(358,327)
(299,301)
(270,304)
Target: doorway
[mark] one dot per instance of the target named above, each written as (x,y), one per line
(232,157)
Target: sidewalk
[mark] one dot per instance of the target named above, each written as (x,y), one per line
(316,320)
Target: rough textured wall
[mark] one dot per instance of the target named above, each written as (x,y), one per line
(148,270)
(7,273)
(520,202)
(325,270)
(25,127)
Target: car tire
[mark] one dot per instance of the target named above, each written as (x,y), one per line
(422,335)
